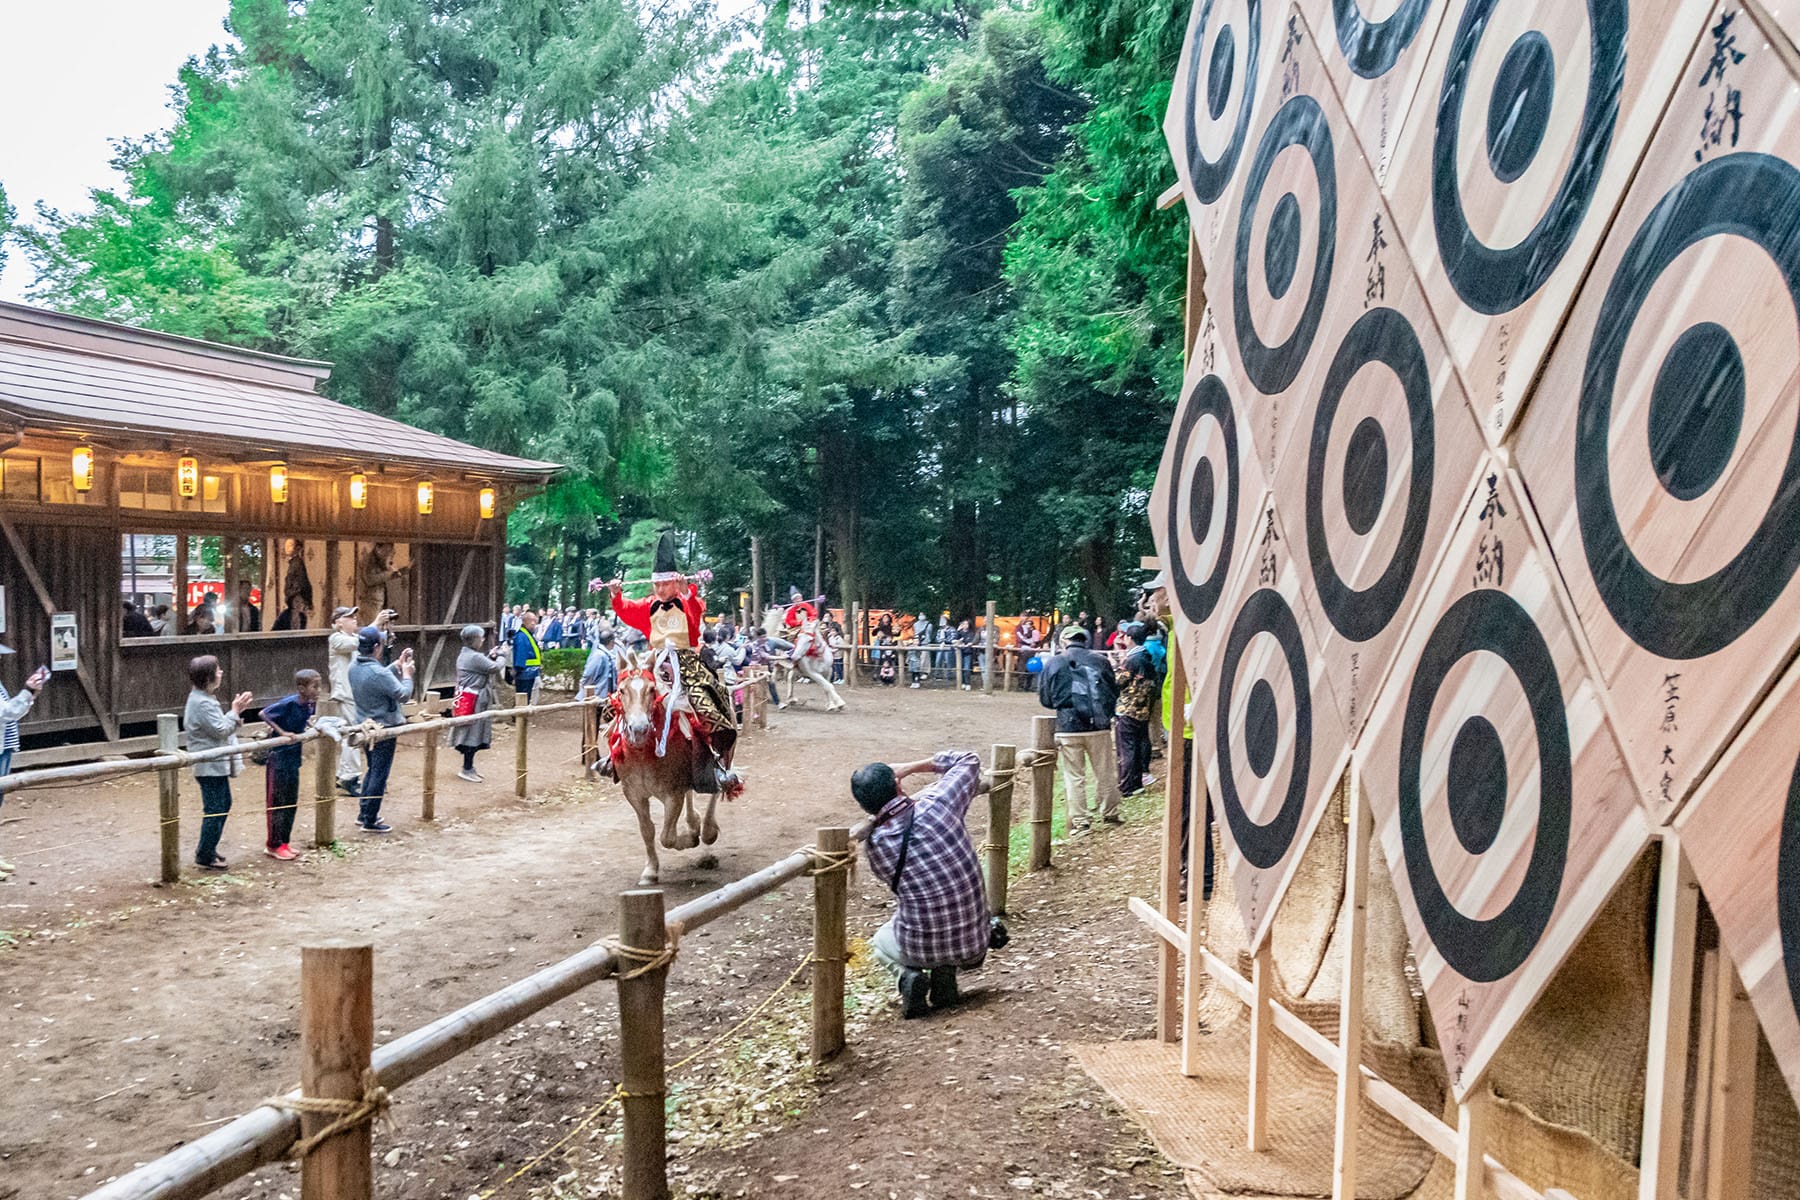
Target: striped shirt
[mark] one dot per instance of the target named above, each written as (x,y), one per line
(940,910)
(12,711)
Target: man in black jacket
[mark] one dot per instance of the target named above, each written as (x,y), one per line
(1079,685)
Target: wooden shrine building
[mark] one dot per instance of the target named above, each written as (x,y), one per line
(159,471)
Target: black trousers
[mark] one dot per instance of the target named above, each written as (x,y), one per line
(374,786)
(215,802)
(1206,859)
(1131,738)
(282,796)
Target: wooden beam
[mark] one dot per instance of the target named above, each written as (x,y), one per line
(102,710)
(1171,1001)
(1170,197)
(1733,1106)
(1161,926)
(1350,1012)
(1262,971)
(1671,1002)
(1471,1144)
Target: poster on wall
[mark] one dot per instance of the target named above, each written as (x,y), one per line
(63,643)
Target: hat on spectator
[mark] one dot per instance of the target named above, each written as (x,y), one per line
(342,611)
(368,637)
(1074,635)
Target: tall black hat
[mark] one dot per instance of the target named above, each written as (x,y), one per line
(664,570)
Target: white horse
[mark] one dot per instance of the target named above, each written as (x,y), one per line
(812,657)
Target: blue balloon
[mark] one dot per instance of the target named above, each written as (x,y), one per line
(1034,664)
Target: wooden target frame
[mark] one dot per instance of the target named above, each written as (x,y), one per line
(1513,157)
(1376,55)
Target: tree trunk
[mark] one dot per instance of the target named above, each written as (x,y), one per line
(1096,559)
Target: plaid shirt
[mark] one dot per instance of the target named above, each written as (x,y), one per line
(940,910)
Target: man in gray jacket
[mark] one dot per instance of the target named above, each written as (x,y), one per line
(379,693)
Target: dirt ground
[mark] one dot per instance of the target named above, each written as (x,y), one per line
(133,1018)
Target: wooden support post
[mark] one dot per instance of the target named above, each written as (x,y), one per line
(1703,1074)
(428,775)
(168,797)
(1350,1012)
(590,727)
(1169,1002)
(1262,1029)
(1043,789)
(850,650)
(1671,1000)
(641,1046)
(1733,1106)
(831,893)
(522,734)
(1471,1144)
(337,1035)
(999,837)
(990,638)
(325,792)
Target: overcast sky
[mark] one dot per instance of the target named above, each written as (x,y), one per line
(74,74)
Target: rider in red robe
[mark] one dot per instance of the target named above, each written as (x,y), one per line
(800,611)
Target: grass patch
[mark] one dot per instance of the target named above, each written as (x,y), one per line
(1145,805)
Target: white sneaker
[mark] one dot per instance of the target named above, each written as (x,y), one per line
(1149,781)
(915,685)
(469,775)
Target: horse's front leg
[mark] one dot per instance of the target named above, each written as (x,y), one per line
(672,818)
(709,827)
(647,828)
(692,836)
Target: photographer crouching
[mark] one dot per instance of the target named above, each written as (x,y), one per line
(920,849)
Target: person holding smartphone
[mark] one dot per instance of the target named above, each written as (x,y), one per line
(211,725)
(12,711)
(380,692)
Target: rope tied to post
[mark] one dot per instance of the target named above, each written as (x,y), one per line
(373,1106)
(829,862)
(645,961)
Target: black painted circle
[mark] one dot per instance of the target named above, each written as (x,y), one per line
(1263,846)
(1373,47)
(1262,728)
(1496,281)
(1486,950)
(1209,176)
(1196,598)
(1380,335)
(1787,890)
(1281,249)
(1696,410)
(1751,196)
(1300,122)
(1219,69)
(1365,475)
(1519,110)
(1477,784)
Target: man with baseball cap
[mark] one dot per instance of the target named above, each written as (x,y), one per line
(380,692)
(12,711)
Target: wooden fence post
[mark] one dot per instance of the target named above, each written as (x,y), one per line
(641,1044)
(1170,1010)
(850,650)
(1733,1104)
(990,638)
(1000,801)
(1262,1031)
(522,732)
(1043,789)
(831,893)
(1350,1004)
(168,797)
(1671,1005)
(337,1035)
(428,782)
(590,728)
(1471,1144)
(325,793)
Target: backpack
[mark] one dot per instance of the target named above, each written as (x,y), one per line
(1086,696)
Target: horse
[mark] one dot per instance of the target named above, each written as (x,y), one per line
(646,766)
(812,658)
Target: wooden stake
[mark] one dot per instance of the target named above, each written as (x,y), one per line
(1350,1014)
(590,727)
(1169,1003)
(989,639)
(1703,1073)
(831,892)
(1471,1144)
(999,837)
(1733,1107)
(1671,1002)
(428,776)
(1043,789)
(522,731)
(168,797)
(1262,1028)
(337,1035)
(850,650)
(641,1044)
(325,792)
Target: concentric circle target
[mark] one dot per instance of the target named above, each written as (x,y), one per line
(1695,414)
(1506,81)
(1362,463)
(1787,890)
(1300,124)
(1373,47)
(1221,90)
(1265,613)
(1203,499)
(1480,786)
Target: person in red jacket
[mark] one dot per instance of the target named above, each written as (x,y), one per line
(671,618)
(801,611)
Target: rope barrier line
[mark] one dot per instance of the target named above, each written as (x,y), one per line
(646,960)
(372,1106)
(619,1092)
(829,862)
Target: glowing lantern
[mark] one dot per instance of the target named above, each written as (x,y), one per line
(488,501)
(359,490)
(278,483)
(81,464)
(424,497)
(187,477)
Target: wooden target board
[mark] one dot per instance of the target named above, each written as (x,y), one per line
(1224,62)
(1500,796)
(1525,131)
(1376,51)
(1267,727)
(1785,16)
(1741,834)
(1293,235)
(1208,490)
(1663,450)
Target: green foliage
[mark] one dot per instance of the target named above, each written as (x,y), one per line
(561,669)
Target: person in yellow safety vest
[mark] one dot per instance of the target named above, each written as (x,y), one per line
(527,655)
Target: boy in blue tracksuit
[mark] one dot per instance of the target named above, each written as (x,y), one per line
(290,714)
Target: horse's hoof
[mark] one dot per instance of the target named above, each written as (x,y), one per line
(709,833)
(647,879)
(707,862)
(669,841)
(689,839)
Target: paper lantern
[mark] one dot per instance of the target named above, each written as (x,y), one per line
(278,483)
(81,467)
(359,490)
(424,497)
(187,477)
(489,502)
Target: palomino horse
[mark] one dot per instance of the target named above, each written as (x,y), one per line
(811,658)
(646,765)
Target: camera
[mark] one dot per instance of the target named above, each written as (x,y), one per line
(998,935)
